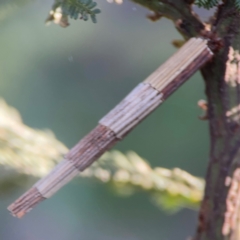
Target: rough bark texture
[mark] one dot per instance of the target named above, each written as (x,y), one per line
(218,215)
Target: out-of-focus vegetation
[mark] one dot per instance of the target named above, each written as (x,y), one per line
(212,3)
(26,151)
(63,9)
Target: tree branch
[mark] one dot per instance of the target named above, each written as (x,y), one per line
(217,218)
(179,11)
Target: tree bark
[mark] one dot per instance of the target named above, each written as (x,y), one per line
(219,213)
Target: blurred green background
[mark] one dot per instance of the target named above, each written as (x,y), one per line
(66,80)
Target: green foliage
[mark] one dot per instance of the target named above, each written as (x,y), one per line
(237,3)
(75,9)
(213,3)
(207,3)
(27,153)
(170,189)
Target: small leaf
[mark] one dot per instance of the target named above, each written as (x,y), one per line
(75,16)
(87,2)
(93,17)
(237,4)
(85,16)
(92,5)
(74,8)
(96,11)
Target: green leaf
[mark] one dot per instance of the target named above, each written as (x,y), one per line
(96,11)
(93,18)
(61,10)
(237,4)
(92,5)
(207,3)
(85,16)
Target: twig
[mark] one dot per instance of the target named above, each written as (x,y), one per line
(121,120)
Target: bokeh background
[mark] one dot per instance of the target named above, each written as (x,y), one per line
(66,80)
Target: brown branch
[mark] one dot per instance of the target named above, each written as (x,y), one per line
(121,120)
(179,11)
